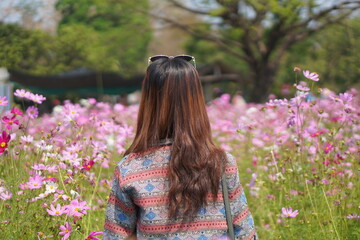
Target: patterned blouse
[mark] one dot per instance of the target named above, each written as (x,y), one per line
(138,203)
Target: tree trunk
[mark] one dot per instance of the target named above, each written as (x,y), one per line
(263,78)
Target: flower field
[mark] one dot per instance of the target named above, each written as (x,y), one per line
(299,162)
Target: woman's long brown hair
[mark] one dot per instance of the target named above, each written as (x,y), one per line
(172,106)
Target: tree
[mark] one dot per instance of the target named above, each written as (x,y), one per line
(260,32)
(119,34)
(23,49)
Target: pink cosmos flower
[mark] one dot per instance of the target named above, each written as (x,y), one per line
(288,212)
(5,195)
(92,235)
(15,111)
(345,98)
(4,139)
(325,181)
(3,101)
(21,93)
(326,162)
(35,182)
(311,76)
(66,231)
(302,86)
(76,208)
(36,98)
(297,69)
(353,216)
(9,121)
(32,112)
(328,147)
(27,139)
(56,211)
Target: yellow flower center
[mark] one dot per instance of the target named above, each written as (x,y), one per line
(57,212)
(67,230)
(77,209)
(3,144)
(10,122)
(35,184)
(89,166)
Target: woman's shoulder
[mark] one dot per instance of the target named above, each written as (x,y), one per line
(145,158)
(230,159)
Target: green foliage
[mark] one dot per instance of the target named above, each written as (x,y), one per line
(333,53)
(102,35)
(24,49)
(260,33)
(114,27)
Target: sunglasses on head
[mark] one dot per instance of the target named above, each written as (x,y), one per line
(187,58)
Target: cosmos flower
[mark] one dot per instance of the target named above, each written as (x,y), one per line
(92,235)
(36,98)
(302,86)
(32,112)
(289,213)
(328,147)
(76,208)
(66,231)
(88,164)
(56,211)
(4,140)
(311,76)
(5,195)
(17,112)
(9,122)
(21,93)
(3,101)
(35,181)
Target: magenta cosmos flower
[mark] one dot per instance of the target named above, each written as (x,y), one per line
(312,76)
(288,212)
(88,164)
(10,121)
(4,139)
(92,235)
(328,147)
(66,231)
(15,111)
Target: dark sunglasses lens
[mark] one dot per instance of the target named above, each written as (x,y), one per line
(154,58)
(185,57)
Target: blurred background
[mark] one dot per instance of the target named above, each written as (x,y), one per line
(73,49)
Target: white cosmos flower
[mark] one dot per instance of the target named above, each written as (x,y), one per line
(51,187)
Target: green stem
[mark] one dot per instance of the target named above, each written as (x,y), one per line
(332,219)
(313,206)
(92,196)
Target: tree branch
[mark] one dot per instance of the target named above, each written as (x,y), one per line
(294,38)
(181,6)
(322,14)
(222,43)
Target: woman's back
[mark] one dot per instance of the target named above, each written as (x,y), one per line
(139,203)
(172,190)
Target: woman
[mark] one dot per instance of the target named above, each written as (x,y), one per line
(168,185)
